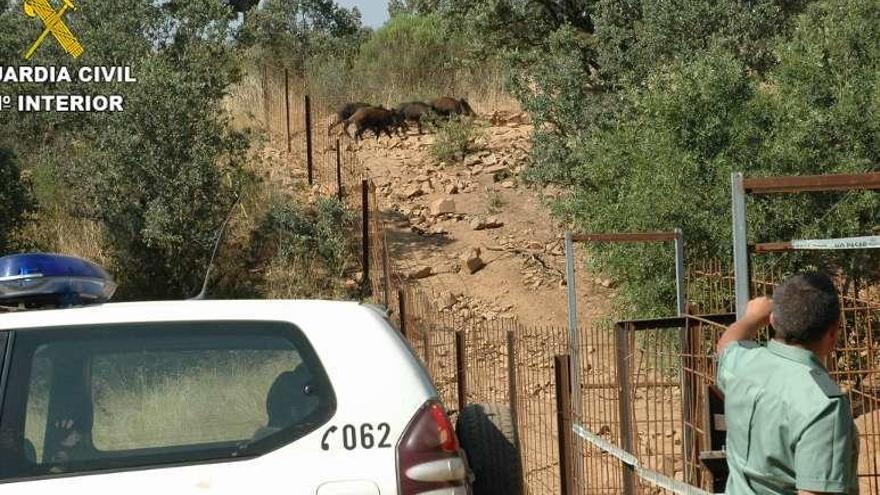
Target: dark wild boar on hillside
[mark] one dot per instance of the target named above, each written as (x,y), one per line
(376,119)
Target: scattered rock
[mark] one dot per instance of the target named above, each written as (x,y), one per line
(480,223)
(535,246)
(494,169)
(490,159)
(413,191)
(471,260)
(421,272)
(443,206)
(508,184)
(472,160)
(452,189)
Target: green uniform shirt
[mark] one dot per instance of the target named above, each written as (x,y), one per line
(789,426)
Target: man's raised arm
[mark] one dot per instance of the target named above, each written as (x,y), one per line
(757,315)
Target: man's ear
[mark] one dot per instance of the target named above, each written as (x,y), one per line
(772,320)
(832,334)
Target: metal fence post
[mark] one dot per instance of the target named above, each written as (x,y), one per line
(681,297)
(365,228)
(461,369)
(562,368)
(287,108)
(687,392)
(740,244)
(624,402)
(573,334)
(513,395)
(338,171)
(386,270)
(309,158)
(426,343)
(573,345)
(401,307)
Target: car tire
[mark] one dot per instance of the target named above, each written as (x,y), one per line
(489,439)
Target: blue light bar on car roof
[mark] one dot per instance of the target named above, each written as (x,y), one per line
(53,279)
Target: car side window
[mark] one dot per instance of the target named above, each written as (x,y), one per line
(126,396)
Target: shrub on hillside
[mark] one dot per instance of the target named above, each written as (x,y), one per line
(305,251)
(455,138)
(411,55)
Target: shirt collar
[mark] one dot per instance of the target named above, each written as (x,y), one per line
(793,353)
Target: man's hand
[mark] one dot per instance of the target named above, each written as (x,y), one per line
(757,315)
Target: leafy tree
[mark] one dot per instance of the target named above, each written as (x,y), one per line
(162,175)
(291,33)
(824,99)
(662,158)
(667,165)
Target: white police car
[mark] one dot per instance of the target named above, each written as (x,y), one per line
(209,397)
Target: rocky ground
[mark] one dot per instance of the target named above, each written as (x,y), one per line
(474,232)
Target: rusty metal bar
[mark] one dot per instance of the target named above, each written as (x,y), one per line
(562,368)
(812,183)
(771,247)
(678,321)
(426,343)
(625,401)
(401,308)
(338,171)
(310,166)
(512,392)
(626,237)
(386,270)
(461,369)
(365,228)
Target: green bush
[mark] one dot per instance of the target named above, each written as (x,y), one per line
(305,250)
(410,56)
(15,200)
(455,138)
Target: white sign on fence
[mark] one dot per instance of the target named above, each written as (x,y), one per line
(868,242)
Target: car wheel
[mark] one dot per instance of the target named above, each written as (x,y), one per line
(489,439)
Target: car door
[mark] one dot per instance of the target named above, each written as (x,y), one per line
(217,407)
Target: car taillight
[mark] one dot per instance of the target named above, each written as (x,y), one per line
(428,455)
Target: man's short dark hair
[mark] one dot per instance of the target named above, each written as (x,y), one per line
(805,307)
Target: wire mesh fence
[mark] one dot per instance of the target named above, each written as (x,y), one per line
(854,363)
(644,422)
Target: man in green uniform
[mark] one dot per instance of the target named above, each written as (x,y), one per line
(789,426)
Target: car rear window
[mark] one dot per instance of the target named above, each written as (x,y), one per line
(82,399)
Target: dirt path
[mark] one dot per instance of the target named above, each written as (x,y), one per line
(436,212)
